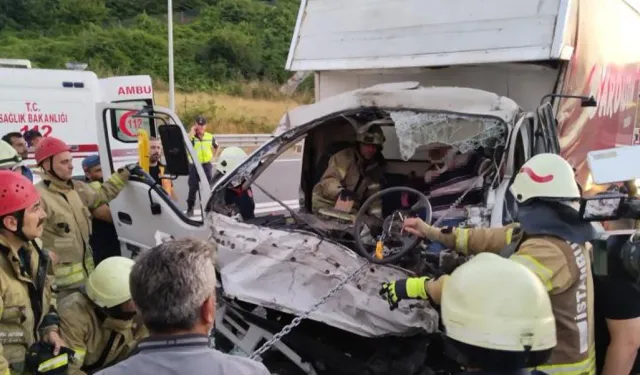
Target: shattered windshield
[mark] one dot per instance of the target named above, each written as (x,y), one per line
(466,133)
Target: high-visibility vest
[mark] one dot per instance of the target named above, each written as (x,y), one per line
(167,185)
(204,147)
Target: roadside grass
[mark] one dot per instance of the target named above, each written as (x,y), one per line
(253,108)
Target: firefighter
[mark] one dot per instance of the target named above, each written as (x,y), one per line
(353,173)
(10,159)
(28,315)
(236,198)
(550,240)
(489,335)
(98,323)
(69,205)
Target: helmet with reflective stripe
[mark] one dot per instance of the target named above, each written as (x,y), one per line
(16,193)
(372,136)
(545,176)
(90,162)
(495,303)
(49,147)
(108,285)
(230,158)
(9,157)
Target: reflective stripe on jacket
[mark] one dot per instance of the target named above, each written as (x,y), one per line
(347,169)
(67,228)
(27,308)
(98,341)
(565,271)
(204,147)
(166,184)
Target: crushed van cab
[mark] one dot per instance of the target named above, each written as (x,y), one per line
(283,264)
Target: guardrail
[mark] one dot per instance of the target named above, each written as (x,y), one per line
(242,140)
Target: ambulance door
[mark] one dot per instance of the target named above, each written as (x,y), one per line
(143,213)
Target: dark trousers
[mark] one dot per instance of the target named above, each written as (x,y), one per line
(194,181)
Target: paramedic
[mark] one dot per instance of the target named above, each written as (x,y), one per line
(104,238)
(354,173)
(9,155)
(174,288)
(98,322)
(28,312)
(156,168)
(204,144)
(69,205)
(550,241)
(236,198)
(489,335)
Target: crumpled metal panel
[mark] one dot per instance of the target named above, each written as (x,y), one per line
(291,271)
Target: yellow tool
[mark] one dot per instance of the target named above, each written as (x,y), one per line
(143,149)
(379,248)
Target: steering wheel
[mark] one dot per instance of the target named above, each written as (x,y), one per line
(391,227)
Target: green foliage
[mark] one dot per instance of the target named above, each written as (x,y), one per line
(223,41)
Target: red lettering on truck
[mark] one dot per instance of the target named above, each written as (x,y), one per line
(134,90)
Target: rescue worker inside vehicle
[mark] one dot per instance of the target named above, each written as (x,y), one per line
(27,308)
(69,205)
(550,240)
(487,335)
(98,322)
(353,174)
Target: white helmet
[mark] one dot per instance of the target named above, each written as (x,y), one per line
(9,158)
(108,285)
(495,303)
(230,158)
(545,176)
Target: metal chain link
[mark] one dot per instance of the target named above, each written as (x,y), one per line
(296,322)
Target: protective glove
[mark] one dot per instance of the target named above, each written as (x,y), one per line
(346,194)
(411,288)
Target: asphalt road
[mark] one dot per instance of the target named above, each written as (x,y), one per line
(281,179)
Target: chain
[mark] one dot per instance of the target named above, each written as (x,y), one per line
(296,322)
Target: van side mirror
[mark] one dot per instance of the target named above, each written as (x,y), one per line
(175,151)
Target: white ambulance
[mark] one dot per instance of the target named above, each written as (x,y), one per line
(61,103)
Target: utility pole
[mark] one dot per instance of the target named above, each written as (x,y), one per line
(172,99)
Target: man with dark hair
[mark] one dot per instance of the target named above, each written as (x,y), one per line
(16,141)
(33,137)
(173,286)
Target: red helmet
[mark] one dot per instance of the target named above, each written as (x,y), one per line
(16,192)
(49,147)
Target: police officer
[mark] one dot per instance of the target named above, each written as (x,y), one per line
(69,205)
(236,198)
(92,169)
(9,159)
(98,323)
(497,333)
(550,241)
(204,145)
(27,312)
(104,237)
(353,173)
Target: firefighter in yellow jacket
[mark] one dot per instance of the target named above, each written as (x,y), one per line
(353,174)
(98,323)
(27,314)
(551,241)
(69,205)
